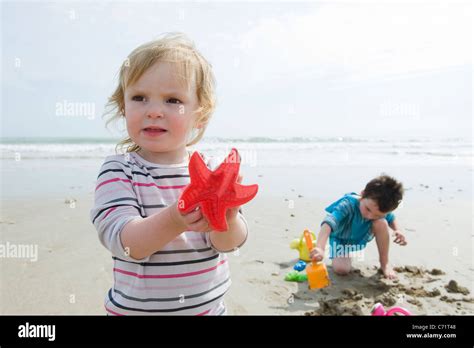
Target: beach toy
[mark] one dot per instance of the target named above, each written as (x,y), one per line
(379,310)
(299,266)
(317,272)
(300,245)
(215,191)
(295,276)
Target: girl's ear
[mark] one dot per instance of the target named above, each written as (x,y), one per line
(362,193)
(199,125)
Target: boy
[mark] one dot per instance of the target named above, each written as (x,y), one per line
(354,220)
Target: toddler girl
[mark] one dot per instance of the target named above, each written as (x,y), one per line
(163,262)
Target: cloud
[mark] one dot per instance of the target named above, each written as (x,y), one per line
(359,41)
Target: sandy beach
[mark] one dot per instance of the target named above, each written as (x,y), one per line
(72,272)
(319,98)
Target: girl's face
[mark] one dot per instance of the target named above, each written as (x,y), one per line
(160,114)
(369,209)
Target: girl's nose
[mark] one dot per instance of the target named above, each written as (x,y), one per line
(155,111)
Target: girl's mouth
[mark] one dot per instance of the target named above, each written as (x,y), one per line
(153,131)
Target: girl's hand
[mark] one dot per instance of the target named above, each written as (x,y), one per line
(196,221)
(400,238)
(231,215)
(192,221)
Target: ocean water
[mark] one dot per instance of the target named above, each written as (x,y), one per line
(268,152)
(323,168)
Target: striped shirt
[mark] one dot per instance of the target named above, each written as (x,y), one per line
(187,276)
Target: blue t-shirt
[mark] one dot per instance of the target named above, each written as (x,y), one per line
(348,227)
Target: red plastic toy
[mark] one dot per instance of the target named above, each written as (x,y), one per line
(215,191)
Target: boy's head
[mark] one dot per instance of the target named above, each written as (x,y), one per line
(380,196)
(165,83)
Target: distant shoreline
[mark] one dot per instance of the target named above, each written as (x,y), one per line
(251,139)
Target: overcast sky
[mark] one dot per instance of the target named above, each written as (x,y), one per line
(282,69)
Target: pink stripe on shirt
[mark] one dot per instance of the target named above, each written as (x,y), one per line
(180,275)
(140,184)
(203,313)
(176,287)
(108,212)
(112,312)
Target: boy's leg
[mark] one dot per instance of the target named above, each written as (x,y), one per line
(341,265)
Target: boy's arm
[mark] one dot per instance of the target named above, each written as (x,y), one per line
(394,225)
(317,254)
(399,235)
(323,236)
(140,237)
(339,213)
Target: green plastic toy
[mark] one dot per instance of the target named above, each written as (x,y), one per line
(295,276)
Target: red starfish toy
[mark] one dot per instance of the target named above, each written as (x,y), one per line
(215,191)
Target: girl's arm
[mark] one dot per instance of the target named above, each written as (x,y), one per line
(234,237)
(143,237)
(237,231)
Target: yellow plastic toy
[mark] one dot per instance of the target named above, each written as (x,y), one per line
(317,272)
(300,245)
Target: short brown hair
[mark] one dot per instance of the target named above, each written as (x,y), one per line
(385,191)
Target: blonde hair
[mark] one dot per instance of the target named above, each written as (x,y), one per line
(193,69)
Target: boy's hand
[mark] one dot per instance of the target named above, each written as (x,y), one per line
(388,272)
(400,238)
(317,254)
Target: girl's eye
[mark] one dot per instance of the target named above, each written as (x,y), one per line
(138,98)
(174,101)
